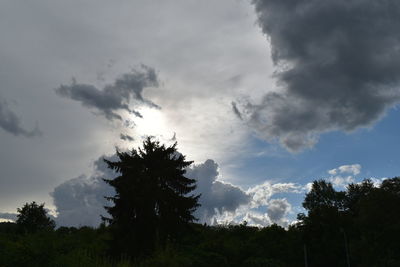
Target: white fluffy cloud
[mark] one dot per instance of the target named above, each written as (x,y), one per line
(80,201)
(353,169)
(225,203)
(263,192)
(344,175)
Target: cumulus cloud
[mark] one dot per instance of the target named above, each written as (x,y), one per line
(216,197)
(353,169)
(126,137)
(115,97)
(277,210)
(344,175)
(341,181)
(257,219)
(260,194)
(11,123)
(80,201)
(225,203)
(337,67)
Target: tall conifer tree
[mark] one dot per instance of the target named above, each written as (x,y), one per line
(152,203)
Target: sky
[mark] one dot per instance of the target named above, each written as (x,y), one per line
(264,96)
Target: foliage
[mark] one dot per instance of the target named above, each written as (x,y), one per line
(33,217)
(63,247)
(152,204)
(360,226)
(356,227)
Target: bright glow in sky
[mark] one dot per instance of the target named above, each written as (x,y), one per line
(243,83)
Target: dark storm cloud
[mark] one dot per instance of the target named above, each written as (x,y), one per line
(11,123)
(337,66)
(126,137)
(117,96)
(236,111)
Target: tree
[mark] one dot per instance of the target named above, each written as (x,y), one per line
(152,202)
(322,195)
(322,227)
(32,218)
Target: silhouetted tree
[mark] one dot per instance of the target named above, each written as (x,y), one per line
(356,193)
(33,217)
(359,226)
(323,226)
(378,220)
(152,202)
(323,194)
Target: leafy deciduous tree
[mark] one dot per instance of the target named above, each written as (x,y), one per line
(33,217)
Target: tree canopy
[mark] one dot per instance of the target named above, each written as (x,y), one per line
(33,217)
(152,203)
(359,226)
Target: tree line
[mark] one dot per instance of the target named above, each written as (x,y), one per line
(151,223)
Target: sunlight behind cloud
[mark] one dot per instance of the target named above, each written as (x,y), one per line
(153,123)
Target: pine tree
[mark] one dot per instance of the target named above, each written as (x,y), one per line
(152,202)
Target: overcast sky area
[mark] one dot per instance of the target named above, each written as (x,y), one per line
(264,96)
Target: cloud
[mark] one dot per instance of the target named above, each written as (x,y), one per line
(263,192)
(11,123)
(341,181)
(216,197)
(339,178)
(276,212)
(337,68)
(225,203)
(8,216)
(236,111)
(173,139)
(351,169)
(126,137)
(80,201)
(277,209)
(115,97)
(257,219)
